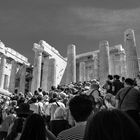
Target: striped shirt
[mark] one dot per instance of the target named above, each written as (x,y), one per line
(74,133)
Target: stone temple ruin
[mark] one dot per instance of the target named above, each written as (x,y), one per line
(51,69)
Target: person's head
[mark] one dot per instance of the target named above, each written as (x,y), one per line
(39,98)
(21,95)
(123,79)
(21,100)
(34,128)
(110,77)
(36,92)
(34,99)
(111,125)
(95,86)
(116,77)
(129,82)
(60,113)
(23,110)
(39,89)
(80,107)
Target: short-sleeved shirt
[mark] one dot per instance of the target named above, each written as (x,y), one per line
(74,133)
(131,100)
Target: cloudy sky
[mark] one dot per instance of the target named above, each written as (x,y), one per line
(63,22)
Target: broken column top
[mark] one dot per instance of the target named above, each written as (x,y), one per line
(129,34)
(38,48)
(103,43)
(71,46)
(71,49)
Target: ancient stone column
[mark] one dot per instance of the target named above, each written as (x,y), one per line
(71,64)
(22,79)
(82,72)
(96,67)
(131,54)
(2,68)
(117,64)
(123,64)
(103,61)
(45,73)
(37,67)
(13,76)
(51,78)
(111,64)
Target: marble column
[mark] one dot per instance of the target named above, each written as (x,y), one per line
(96,68)
(37,67)
(51,78)
(123,64)
(22,79)
(111,64)
(2,69)
(45,73)
(13,76)
(71,64)
(131,54)
(103,61)
(117,64)
(82,72)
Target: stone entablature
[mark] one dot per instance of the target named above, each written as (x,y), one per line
(10,53)
(11,63)
(49,66)
(60,63)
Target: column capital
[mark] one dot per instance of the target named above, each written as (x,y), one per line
(38,48)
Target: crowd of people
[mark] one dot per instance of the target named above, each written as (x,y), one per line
(77,111)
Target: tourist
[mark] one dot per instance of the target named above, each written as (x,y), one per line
(34,128)
(59,123)
(128,100)
(138,82)
(108,84)
(80,108)
(96,96)
(34,105)
(117,84)
(40,92)
(111,125)
(14,131)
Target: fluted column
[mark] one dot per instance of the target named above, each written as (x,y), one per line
(96,67)
(45,73)
(51,78)
(111,64)
(13,76)
(71,64)
(37,67)
(123,64)
(131,54)
(22,79)
(82,76)
(2,68)
(103,61)
(117,64)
